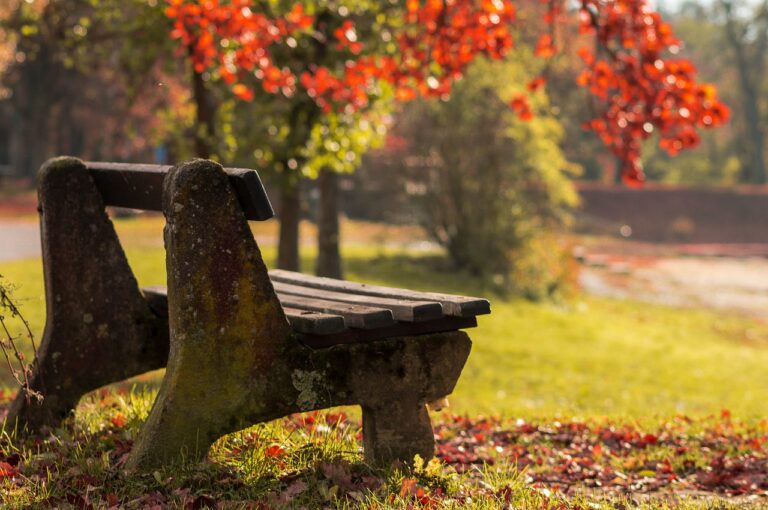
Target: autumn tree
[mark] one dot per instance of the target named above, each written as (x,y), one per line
(255,133)
(342,56)
(323,67)
(299,137)
(718,158)
(730,155)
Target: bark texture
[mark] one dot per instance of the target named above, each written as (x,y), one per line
(290,218)
(749,44)
(328,256)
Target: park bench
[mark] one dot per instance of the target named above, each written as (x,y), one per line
(241,345)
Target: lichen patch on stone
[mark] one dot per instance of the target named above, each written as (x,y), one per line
(305,381)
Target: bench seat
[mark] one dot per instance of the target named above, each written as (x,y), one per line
(324,312)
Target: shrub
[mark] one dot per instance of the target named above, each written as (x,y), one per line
(491,183)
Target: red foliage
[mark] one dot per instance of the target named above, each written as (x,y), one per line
(714,454)
(536,83)
(274,450)
(202,26)
(641,88)
(119,420)
(545,46)
(7,470)
(522,107)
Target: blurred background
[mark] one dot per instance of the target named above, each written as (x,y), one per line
(607,299)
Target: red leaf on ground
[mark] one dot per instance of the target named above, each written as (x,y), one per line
(7,470)
(119,420)
(274,451)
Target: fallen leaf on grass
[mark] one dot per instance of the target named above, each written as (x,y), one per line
(292,490)
(7,470)
(274,451)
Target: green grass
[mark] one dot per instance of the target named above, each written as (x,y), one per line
(596,356)
(586,357)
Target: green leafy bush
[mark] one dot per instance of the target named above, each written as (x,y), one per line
(489,183)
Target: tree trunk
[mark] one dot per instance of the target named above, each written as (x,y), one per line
(751,71)
(290,216)
(618,166)
(205,116)
(328,256)
(757,146)
(32,103)
(753,122)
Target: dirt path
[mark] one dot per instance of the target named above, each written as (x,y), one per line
(726,283)
(19,240)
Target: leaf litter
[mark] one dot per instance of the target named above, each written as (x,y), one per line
(314,460)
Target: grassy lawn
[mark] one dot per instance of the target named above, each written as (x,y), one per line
(602,361)
(588,357)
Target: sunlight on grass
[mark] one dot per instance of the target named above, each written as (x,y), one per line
(314,461)
(571,366)
(589,357)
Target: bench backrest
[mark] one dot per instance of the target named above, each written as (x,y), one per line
(141,187)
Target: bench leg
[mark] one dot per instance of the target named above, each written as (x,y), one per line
(227,327)
(393,380)
(99,329)
(397,430)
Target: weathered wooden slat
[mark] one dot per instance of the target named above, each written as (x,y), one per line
(141,187)
(352,336)
(314,323)
(402,310)
(458,306)
(355,316)
(302,321)
(320,330)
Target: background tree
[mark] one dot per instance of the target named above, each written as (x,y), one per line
(726,156)
(317,69)
(76,85)
(289,43)
(746,31)
(337,148)
(716,161)
(486,205)
(340,56)
(255,133)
